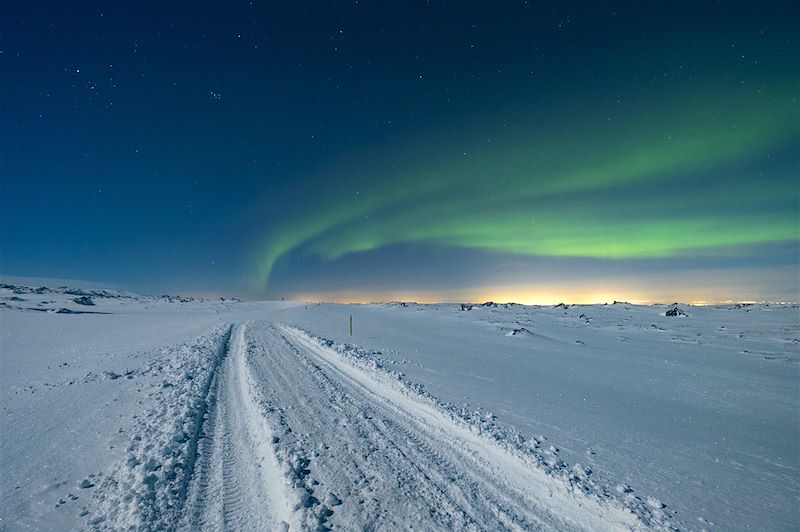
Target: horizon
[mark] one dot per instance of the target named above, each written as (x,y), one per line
(364,299)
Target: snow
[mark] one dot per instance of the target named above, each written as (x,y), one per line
(170,412)
(698,412)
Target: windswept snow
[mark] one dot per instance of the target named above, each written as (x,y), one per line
(175,413)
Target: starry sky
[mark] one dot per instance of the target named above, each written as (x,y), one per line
(419,150)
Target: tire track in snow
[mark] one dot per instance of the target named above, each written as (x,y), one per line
(517,494)
(237,483)
(361,454)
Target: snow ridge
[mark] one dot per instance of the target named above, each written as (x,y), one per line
(149,489)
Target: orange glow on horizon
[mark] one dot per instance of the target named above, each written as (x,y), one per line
(695,288)
(500,294)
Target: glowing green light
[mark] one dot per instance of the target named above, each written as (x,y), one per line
(534,192)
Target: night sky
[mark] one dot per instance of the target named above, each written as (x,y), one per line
(432,151)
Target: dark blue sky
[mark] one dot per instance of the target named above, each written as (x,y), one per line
(362,150)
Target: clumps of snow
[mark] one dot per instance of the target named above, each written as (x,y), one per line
(654,503)
(488,304)
(308,512)
(69,311)
(532,450)
(147,489)
(379,358)
(85,484)
(127,374)
(413,305)
(519,332)
(179,299)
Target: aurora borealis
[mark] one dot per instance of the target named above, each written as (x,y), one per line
(375,151)
(547,196)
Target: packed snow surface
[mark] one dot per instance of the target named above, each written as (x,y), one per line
(128,411)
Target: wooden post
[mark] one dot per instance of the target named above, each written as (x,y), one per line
(351,325)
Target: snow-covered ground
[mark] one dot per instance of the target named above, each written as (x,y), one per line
(121,410)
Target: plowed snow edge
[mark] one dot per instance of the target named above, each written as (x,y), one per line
(148,490)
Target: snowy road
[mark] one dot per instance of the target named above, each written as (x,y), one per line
(357,452)
(236,483)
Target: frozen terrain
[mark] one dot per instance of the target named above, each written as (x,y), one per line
(126,411)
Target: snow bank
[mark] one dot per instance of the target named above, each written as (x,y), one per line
(148,489)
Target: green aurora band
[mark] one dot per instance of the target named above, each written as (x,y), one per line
(657,181)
